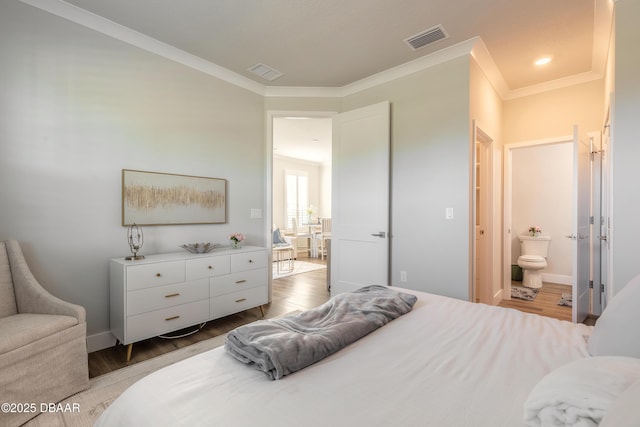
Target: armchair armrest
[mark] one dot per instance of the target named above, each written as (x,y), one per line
(31,297)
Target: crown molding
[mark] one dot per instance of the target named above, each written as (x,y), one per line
(419,64)
(553,85)
(485,61)
(474,46)
(303,92)
(107,27)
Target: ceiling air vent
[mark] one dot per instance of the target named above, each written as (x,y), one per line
(265,72)
(427,37)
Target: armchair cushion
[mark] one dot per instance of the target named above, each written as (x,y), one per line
(7,296)
(22,329)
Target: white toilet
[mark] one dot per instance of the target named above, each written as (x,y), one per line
(533,250)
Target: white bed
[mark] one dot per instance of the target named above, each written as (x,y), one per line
(445,363)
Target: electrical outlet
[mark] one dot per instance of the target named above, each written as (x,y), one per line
(403,276)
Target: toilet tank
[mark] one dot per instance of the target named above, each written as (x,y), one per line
(534,245)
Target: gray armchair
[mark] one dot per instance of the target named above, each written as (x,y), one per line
(43,348)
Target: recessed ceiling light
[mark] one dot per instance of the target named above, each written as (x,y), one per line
(543,61)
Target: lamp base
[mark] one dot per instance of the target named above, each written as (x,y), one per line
(134,257)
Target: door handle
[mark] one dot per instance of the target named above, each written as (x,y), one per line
(571,236)
(381,234)
(603,238)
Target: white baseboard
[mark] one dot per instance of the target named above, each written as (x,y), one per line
(100,341)
(559,279)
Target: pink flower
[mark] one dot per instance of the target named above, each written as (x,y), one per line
(237,237)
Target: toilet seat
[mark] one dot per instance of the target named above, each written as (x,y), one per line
(532,258)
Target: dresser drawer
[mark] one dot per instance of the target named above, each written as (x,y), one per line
(248,261)
(148,275)
(238,301)
(238,281)
(198,268)
(157,322)
(149,299)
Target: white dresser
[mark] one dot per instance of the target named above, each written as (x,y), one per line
(167,292)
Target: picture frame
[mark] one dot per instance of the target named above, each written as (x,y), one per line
(157,198)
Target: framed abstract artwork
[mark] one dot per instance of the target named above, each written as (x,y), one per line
(154,198)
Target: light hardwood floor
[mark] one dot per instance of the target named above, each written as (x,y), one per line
(297,292)
(545,303)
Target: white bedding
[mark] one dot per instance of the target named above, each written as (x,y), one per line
(446,363)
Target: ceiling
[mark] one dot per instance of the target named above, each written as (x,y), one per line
(334,43)
(306,138)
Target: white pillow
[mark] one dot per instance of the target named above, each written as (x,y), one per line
(625,410)
(616,331)
(580,392)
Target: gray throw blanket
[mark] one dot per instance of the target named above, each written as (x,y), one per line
(281,346)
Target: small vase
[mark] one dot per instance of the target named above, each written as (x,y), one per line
(235,244)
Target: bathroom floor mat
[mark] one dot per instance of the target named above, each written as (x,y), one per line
(566,299)
(524,293)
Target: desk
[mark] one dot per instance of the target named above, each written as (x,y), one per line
(284,258)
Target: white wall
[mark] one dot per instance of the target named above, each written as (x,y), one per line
(486,109)
(431,171)
(282,164)
(77,108)
(542,196)
(553,113)
(625,146)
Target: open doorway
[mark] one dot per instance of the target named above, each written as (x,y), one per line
(300,189)
(539,193)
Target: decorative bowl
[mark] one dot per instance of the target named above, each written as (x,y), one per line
(199,248)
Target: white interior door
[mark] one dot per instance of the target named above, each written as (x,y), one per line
(581,240)
(360,198)
(597,245)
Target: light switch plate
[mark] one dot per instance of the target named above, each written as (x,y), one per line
(448,213)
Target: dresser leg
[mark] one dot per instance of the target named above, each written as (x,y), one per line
(129,348)
(261,310)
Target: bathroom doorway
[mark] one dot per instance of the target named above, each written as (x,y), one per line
(538,192)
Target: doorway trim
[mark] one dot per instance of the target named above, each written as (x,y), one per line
(270,115)
(507,192)
(481,289)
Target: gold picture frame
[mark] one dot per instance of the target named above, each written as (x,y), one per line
(156,198)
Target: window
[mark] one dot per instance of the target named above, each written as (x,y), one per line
(297,197)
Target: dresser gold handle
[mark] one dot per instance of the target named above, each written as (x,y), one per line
(210,267)
(240,281)
(241,299)
(158,274)
(250,261)
(172,295)
(172,318)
